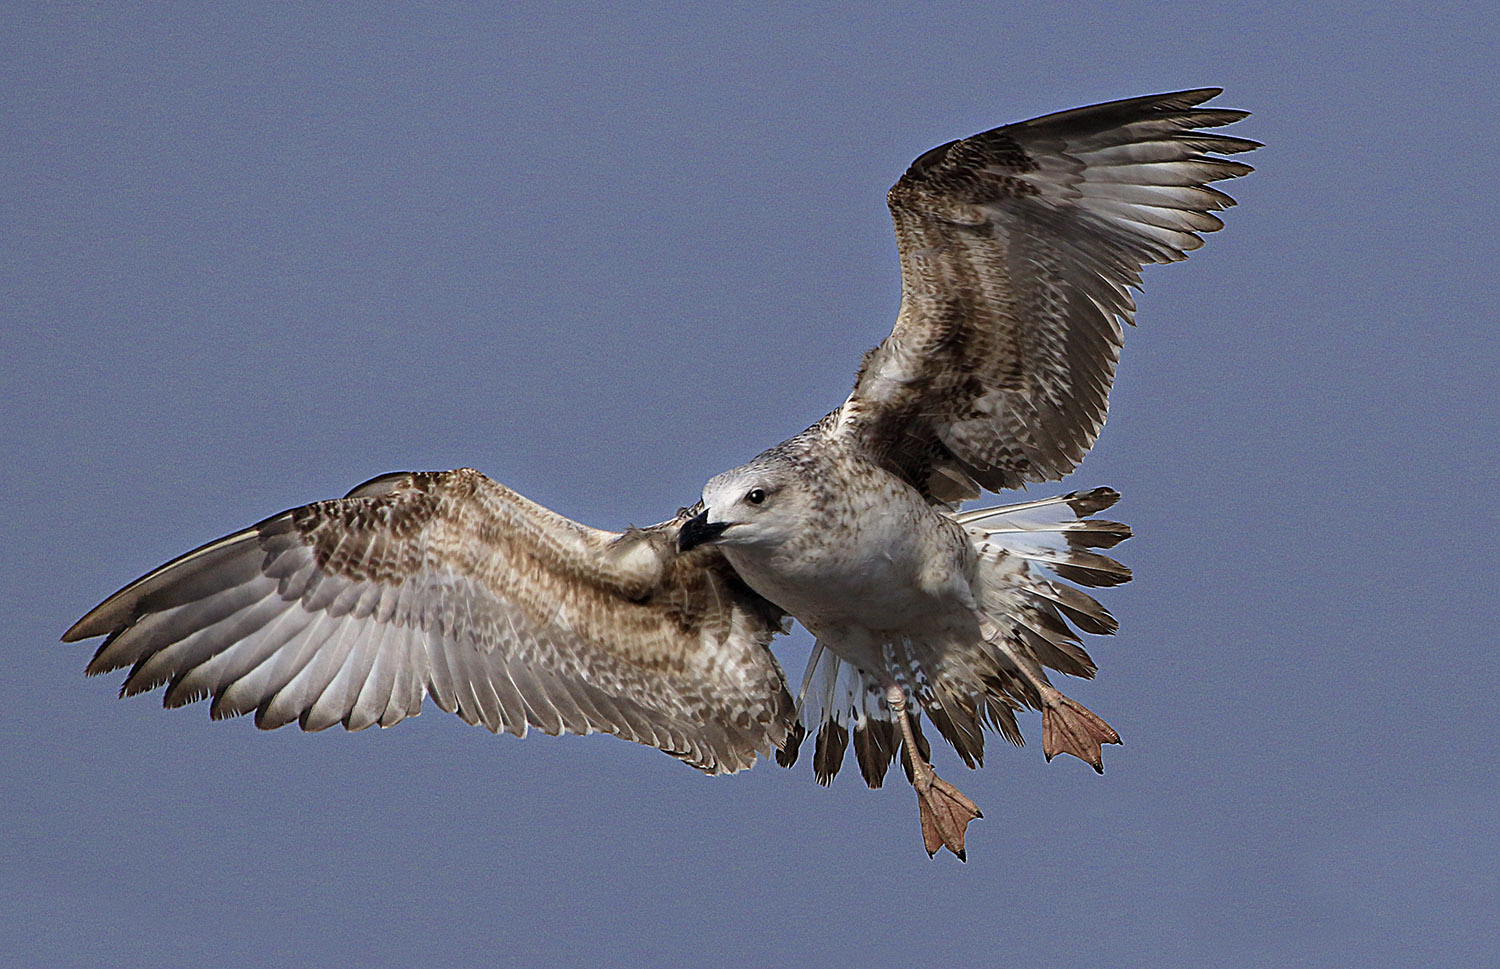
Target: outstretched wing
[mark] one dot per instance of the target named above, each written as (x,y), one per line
(450,585)
(1018,250)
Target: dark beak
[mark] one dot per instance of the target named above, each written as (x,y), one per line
(698,530)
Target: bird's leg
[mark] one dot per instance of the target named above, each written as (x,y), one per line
(1068,727)
(945,811)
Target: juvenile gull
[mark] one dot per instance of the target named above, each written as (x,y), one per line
(1018,250)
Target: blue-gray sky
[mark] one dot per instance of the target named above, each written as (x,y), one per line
(251,259)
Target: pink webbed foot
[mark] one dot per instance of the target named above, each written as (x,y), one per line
(1069,727)
(946,813)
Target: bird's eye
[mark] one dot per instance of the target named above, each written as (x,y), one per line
(756,496)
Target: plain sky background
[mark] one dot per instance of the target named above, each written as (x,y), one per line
(250,259)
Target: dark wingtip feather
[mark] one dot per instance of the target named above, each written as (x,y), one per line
(88,627)
(791,746)
(212,565)
(111,616)
(100,663)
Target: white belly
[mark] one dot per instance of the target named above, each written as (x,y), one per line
(901,575)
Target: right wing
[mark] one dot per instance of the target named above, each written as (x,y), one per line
(448,584)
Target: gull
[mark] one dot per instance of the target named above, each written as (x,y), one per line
(1019,247)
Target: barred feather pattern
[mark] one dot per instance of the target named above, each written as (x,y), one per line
(449,585)
(1019,248)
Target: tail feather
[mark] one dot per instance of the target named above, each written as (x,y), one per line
(1029,553)
(1080,503)
(1081,609)
(828,751)
(998,712)
(838,703)
(1059,654)
(1089,568)
(958,722)
(1026,553)
(786,754)
(874,749)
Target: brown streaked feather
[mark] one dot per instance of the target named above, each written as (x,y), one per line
(451,585)
(1019,247)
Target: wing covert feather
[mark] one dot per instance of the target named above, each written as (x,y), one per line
(449,584)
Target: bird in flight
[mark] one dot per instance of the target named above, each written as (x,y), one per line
(1019,247)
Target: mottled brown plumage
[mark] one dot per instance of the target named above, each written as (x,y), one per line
(1019,247)
(451,585)
(1018,250)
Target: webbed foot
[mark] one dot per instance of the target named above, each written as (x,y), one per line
(946,813)
(1069,727)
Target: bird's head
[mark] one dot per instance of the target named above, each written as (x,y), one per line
(757,504)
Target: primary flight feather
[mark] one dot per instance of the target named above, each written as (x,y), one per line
(1019,247)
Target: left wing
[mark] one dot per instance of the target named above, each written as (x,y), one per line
(449,585)
(1018,250)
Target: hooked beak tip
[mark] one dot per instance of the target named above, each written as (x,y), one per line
(698,530)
